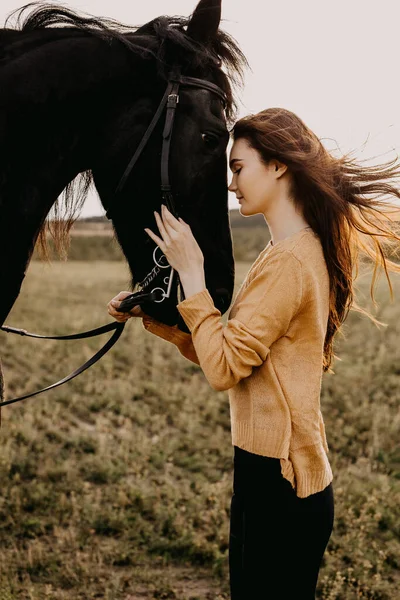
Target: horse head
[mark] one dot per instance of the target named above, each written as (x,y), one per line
(89,95)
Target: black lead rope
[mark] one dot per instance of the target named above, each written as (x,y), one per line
(119,327)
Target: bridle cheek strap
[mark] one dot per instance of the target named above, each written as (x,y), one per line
(171,99)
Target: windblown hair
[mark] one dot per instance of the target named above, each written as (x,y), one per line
(341,199)
(163,41)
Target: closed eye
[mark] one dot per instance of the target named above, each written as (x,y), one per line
(237,171)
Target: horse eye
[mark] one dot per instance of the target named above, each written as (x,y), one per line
(210,140)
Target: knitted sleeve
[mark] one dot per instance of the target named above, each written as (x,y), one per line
(262,315)
(171,333)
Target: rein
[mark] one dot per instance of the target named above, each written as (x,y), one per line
(170,99)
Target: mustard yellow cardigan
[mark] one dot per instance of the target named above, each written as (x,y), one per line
(269,356)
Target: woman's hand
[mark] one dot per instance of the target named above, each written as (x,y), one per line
(177,243)
(121,317)
(183,254)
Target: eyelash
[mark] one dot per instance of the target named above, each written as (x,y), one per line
(238,171)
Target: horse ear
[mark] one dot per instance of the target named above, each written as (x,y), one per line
(205,20)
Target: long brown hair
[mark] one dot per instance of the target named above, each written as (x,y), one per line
(341,200)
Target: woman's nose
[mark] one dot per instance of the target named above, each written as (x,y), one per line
(231,187)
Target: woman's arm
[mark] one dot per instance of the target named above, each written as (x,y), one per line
(258,318)
(182,340)
(171,333)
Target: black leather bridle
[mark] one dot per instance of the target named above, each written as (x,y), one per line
(170,99)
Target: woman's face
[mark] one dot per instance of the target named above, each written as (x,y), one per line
(255,184)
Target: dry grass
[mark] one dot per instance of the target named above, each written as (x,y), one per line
(117,485)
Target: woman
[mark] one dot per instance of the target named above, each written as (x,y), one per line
(279,339)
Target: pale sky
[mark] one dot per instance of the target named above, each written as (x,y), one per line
(334,64)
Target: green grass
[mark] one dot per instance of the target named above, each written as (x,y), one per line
(118,484)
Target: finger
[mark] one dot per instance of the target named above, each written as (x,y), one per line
(114,312)
(119,316)
(119,297)
(184,223)
(121,319)
(118,312)
(157,240)
(162,228)
(114,306)
(169,218)
(122,295)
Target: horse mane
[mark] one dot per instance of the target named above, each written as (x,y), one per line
(158,38)
(163,40)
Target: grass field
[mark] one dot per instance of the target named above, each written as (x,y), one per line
(118,484)
(100,244)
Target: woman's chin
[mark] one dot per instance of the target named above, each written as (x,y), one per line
(243,211)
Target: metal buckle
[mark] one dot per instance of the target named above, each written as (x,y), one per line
(173,100)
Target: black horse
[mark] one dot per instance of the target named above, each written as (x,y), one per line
(76,100)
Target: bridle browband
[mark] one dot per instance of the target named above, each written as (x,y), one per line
(170,99)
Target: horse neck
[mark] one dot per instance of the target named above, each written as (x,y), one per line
(20,224)
(48,149)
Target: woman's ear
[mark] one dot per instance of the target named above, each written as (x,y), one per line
(279,168)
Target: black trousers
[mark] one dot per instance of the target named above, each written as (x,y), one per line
(277,540)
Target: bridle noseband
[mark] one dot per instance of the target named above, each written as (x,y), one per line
(170,99)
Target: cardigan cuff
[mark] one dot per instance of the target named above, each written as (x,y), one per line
(195,308)
(171,333)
